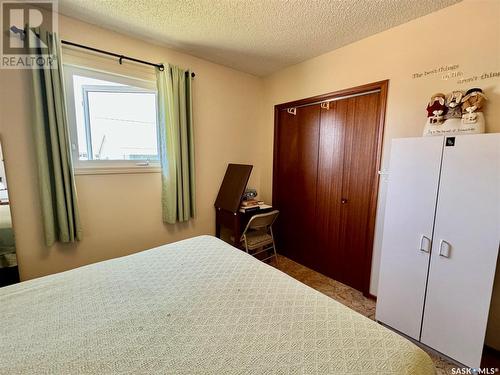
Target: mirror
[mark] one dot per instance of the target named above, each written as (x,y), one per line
(8,261)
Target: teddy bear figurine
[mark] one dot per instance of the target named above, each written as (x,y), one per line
(454,104)
(436,109)
(473,101)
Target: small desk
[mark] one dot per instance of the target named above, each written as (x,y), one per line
(227,204)
(235,221)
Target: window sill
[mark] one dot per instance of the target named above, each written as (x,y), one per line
(116,170)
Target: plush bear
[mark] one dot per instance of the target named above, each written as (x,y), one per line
(472,102)
(436,109)
(454,104)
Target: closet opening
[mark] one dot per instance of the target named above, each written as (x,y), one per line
(327,152)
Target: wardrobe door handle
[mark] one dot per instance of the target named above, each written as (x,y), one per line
(343,200)
(421,248)
(442,247)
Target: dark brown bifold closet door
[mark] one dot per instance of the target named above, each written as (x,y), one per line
(329,187)
(295,191)
(325,185)
(351,181)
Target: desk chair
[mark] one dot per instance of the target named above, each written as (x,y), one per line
(258,234)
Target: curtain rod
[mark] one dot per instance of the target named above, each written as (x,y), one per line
(120,57)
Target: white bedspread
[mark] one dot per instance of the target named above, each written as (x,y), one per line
(197,306)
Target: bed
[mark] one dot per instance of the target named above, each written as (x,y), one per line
(197,306)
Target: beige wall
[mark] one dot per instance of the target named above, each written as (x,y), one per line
(121,213)
(467,34)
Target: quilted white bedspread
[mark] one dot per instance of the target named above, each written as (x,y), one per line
(197,306)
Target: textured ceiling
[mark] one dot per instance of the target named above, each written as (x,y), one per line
(254,36)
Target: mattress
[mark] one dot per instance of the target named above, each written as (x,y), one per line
(198,306)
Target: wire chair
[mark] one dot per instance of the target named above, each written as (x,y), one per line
(258,235)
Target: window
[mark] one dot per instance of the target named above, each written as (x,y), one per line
(112,120)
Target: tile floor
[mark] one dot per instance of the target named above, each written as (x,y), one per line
(347,296)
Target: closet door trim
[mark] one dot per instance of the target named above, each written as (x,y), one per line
(382,86)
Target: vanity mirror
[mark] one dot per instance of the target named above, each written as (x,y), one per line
(8,260)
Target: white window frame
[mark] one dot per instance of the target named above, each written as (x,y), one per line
(104,166)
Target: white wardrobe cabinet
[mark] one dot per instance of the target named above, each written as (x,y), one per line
(441,241)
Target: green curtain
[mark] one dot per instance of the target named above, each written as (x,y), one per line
(59,201)
(175,118)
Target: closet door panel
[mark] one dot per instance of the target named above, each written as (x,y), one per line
(297,175)
(287,134)
(409,215)
(329,188)
(462,268)
(360,179)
